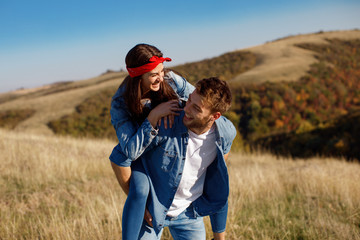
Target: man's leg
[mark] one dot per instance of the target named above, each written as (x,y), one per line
(186,226)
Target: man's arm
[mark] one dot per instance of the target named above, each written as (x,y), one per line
(123,176)
(221,236)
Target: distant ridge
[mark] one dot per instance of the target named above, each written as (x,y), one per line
(281,60)
(278,60)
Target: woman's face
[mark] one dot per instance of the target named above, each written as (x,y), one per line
(150,81)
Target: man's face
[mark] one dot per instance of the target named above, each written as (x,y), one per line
(197,113)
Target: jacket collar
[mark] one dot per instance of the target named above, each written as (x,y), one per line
(218,123)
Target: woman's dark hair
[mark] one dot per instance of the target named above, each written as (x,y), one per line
(136,57)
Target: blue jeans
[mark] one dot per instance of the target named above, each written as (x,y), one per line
(183,227)
(134,208)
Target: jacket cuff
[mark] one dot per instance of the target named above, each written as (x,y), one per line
(218,220)
(119,158)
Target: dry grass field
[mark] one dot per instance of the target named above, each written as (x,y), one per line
(64,188)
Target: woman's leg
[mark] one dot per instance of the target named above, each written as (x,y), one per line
(123,176)
(134,208)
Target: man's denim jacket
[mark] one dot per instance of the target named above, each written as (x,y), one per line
(129,133)
(163,154)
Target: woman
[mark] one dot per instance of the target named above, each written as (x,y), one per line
(147,95)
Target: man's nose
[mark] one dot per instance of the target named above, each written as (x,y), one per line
(186,106)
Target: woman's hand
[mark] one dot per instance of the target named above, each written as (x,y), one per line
(167,118)
(148,217)
(169,108)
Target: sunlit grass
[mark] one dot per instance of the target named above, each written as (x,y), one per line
(64,188)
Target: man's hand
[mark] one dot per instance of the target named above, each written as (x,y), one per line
(219,236)
(226,156)
(148,217)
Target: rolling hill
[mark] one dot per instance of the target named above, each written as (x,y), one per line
(285,71)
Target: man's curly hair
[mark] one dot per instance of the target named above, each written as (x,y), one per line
(216,93)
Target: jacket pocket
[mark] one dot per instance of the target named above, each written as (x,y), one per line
(168,159)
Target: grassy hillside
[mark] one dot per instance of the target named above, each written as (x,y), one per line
(64,188)
(11,118)
(293,85)
(338,137)
(55,101)
(328,91)
(226,66)
(283,61)
(91,118)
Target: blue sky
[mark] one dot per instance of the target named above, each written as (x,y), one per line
(46,41)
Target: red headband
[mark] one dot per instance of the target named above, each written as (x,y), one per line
(153,62)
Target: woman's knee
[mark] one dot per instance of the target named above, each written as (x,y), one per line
(139,186)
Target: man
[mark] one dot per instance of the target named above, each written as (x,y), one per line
(186,166)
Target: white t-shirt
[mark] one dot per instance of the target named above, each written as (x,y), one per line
(200,153)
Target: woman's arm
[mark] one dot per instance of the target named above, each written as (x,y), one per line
(133,140)
(182,87)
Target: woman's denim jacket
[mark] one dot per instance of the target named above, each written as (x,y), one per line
(131,136)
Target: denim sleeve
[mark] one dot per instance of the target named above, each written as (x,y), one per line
(218,220)
(182,87)
(133,139)
(119,158)
(229,134)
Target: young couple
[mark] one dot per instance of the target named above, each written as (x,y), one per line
(173,143)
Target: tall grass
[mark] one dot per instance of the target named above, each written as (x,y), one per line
(284,199)
(57,188)
(64,188)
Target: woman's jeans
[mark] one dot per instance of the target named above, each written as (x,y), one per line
(134,208)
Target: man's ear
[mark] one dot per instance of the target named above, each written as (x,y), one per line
(216,115)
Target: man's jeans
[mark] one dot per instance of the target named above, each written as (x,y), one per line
(183,227)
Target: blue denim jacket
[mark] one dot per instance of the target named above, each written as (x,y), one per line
(163,159)
(131,136)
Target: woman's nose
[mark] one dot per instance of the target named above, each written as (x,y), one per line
(161,77)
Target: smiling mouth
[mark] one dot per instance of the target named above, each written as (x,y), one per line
(187,117)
